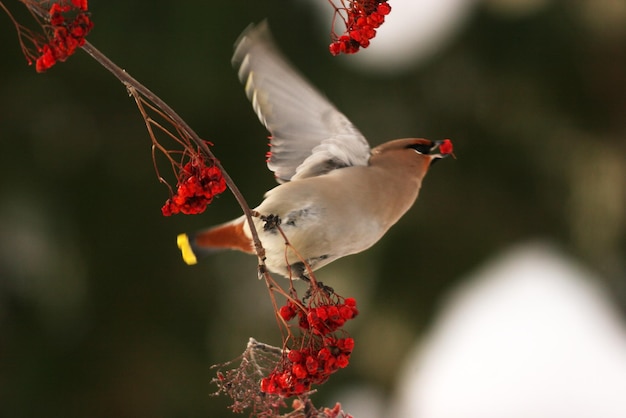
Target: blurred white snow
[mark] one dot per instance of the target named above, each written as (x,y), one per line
(531,335)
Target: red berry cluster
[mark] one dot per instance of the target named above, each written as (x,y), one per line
(67,35)
(197,185)
(325,353)
(363,18)
(321,320)
(308,366)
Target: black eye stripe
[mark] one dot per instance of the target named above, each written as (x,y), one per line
(422,148)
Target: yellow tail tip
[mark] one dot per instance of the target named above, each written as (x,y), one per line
(185,248)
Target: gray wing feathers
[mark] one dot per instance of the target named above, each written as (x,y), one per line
(309,136)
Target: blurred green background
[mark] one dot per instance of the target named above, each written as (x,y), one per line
(99,316)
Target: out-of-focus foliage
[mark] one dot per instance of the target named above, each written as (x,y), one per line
(99,316)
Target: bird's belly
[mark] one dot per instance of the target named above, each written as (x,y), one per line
(325,218)
(312,235)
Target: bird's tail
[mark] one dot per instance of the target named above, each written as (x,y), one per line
(228,236)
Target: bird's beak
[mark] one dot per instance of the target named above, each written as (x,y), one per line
(442,149)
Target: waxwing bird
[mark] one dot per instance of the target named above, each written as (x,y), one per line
(336,196)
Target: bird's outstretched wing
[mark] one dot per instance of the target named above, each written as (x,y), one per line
(309,136)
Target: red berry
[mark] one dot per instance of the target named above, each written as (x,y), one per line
(287,312)
(295,356)
(342,360)
(299,371)
(446,147)
(311,365)
(383,8)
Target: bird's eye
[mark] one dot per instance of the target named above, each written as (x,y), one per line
(422,148)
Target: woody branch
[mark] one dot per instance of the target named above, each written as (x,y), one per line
(135,87)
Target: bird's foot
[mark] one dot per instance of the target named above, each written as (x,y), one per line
(271,222)
(262,270)
(314,285)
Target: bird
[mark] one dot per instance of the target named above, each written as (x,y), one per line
(336,195)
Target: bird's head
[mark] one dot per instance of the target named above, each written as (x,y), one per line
(417,152)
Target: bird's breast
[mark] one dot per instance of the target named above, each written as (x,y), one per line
(330,216)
